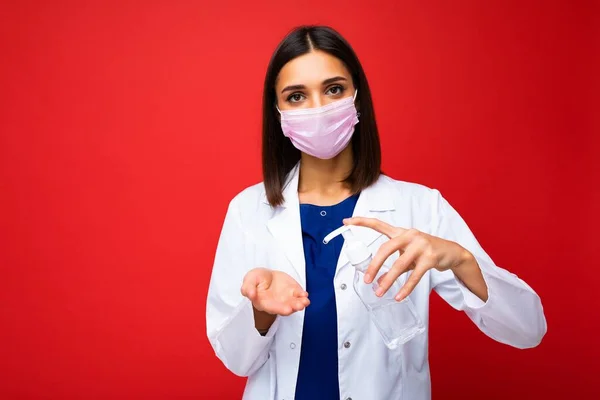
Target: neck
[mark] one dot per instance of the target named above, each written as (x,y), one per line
(322,181)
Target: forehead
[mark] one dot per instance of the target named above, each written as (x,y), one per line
(311,69)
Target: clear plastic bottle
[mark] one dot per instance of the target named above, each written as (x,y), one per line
(397,321)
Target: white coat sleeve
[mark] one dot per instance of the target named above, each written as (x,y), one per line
(229,315)
(513,313)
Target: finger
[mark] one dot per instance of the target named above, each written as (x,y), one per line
(275,307)
(286,310)
(376,224)
(401,265)
(411,283)
(299,292)
(399,243)
(300,305)
(381,279)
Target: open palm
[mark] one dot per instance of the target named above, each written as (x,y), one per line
(274,292)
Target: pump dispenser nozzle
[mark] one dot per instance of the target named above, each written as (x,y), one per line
(358,253)
(344,230)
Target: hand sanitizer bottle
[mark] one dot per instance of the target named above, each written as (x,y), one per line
(397,321)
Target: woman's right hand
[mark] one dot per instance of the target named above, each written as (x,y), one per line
(274,292)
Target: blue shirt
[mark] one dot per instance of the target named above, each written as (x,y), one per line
(318,369)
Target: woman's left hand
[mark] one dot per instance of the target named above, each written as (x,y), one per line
(419,252)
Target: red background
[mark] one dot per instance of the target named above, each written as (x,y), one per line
(126,128)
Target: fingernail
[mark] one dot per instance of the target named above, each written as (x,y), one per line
(379,292)
(367,278)
(400,296)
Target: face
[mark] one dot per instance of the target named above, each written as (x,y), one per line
(312,80)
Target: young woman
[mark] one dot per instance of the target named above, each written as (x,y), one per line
(281,307)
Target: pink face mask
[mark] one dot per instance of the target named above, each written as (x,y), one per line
(321,132)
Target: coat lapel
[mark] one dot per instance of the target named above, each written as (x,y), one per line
(286,229)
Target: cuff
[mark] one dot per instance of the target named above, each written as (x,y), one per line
(240,344)
(240,328)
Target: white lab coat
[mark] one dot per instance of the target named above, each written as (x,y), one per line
(254,234)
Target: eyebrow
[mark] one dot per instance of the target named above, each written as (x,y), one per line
(325,82)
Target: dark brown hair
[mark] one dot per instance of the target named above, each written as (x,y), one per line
(279,156)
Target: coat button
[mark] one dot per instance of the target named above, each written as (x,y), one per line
(323,213)
(292,345)
(347,345)
(343,286)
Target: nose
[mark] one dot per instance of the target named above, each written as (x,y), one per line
(316,100)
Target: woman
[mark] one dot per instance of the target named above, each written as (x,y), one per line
(281,309)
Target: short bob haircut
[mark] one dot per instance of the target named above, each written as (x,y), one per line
(279,156)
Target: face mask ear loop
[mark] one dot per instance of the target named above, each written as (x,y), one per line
(356,93)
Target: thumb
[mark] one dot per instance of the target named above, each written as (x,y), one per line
(251,280)
(251,293)
(262,278)
(248,290)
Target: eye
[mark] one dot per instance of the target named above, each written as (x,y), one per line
(295,97)
(335,90)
